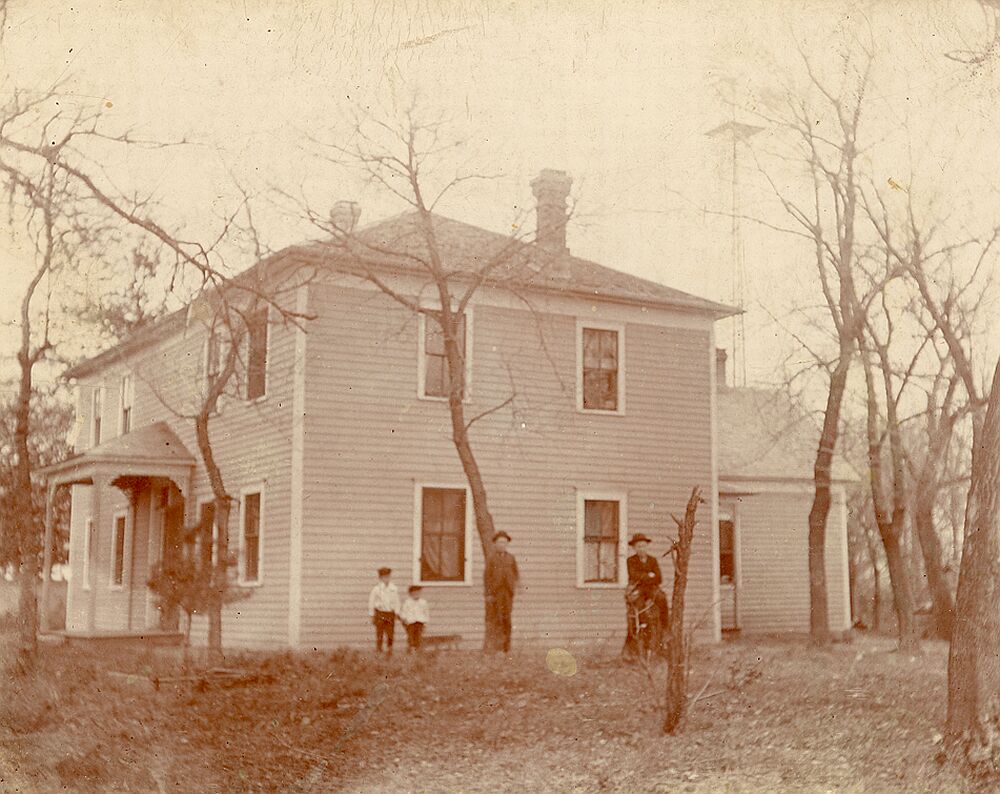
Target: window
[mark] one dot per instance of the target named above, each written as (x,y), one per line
(600,540)
(256,374)
(727,551)
(250,536)
(118,550)
(442,535)
(213,359)
(127,397)
(601,532)
(96,409)
(88,549)
(433,375)
(599,376)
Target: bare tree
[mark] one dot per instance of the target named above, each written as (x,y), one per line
(233,315)
(930,456)
(974,657)
(889,510)
(947,305)
(63,199)
(403,159)
(827,220)
(678,657)
(41,201)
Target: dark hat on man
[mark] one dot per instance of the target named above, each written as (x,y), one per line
(638,537)
(384,571)
(501,534)
(414,588)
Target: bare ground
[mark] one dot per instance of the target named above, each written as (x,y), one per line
(774,716)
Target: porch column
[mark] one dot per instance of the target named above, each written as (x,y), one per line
(50,492)
(94,545)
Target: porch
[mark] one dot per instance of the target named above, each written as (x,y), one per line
(130,502)
(114,639)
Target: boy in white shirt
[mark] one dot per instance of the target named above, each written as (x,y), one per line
(415,615)
(383,606)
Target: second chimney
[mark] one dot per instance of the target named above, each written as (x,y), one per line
(720,367)
(344,216)
(551,189)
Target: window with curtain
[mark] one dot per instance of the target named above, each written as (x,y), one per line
(442,535)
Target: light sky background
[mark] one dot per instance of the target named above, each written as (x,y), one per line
(620,95)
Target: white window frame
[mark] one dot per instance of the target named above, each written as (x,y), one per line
(600,325)
(583,496)
(418,504)
(88,543)
(422,358)
(245,381)
(223,345)
(96,414)
(112,584)
(126,392)
(257,488)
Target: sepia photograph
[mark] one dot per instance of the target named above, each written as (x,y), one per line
(475,396)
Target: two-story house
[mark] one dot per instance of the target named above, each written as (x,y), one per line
(337,445)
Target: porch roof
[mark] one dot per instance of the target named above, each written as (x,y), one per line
(154,450)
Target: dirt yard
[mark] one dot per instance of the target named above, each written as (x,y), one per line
(774,716)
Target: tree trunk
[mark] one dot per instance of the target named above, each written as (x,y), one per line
(220,565)
(877,600)
(974,658)
(493,640)
(27,541)
(677,654)
(902,591)
(819,615)
(937,582)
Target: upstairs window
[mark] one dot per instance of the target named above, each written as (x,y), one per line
(127,399)
(96,411)
(442,535)
(600,369)
(256,369)
(435,381)
(213,359)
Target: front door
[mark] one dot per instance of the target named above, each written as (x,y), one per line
(171,542)
(728,590)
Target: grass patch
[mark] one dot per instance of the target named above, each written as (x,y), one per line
(778,717)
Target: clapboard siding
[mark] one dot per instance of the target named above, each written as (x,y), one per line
(774,587)
(252,444)
(369,439)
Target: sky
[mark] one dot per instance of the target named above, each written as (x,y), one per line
(620,95)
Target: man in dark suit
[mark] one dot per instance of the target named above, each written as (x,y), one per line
(644,576)
(500,580)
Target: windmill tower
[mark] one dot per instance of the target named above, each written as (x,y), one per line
(733,133)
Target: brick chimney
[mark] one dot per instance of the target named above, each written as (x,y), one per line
(551,189)
(344,216)
(720,367)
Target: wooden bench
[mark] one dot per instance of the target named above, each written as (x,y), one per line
(441,641)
